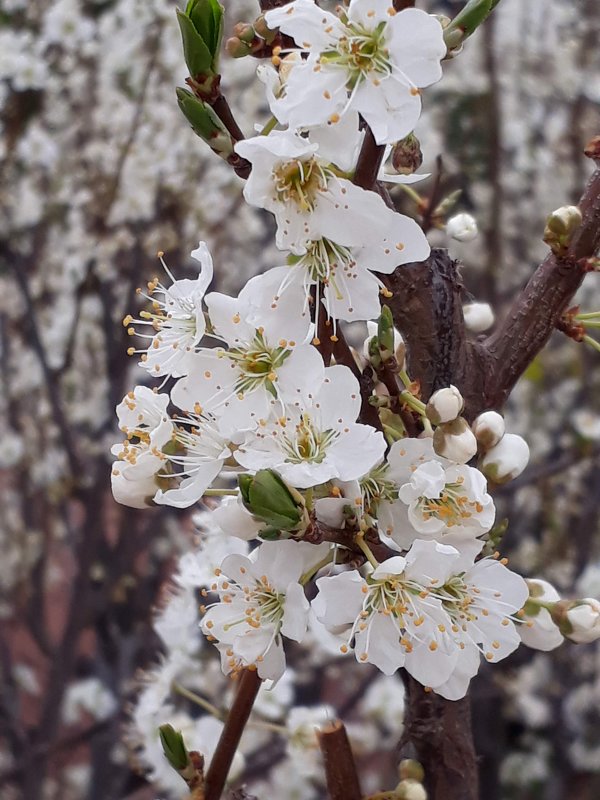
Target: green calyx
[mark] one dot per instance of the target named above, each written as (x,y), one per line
(268,498)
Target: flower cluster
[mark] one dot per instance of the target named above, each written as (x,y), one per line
(344,475)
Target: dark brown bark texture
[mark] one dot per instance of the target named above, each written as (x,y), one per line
(426,305)
(438,734)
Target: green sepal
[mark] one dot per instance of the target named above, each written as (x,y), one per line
(205,123)
(207,18)
(198,57)
(173,747)
(268,498)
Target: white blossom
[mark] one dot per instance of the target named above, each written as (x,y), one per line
(368,59)
(261,602)
(311,202)
(317,440)
(419,613)
(176,320)
(143,418)
(426,496)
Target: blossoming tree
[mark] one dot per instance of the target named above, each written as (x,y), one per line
(356,476)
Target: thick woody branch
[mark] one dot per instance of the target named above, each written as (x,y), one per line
(427,310)
(248,687)
(507,353)
(340,769)
(369,161)
(438,733)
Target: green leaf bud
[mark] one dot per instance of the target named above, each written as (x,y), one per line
(268,497)
(173,747)
(205,123)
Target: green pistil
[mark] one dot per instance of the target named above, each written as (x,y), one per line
(258,365)
(300,182)
(360,52)
(375,488)
(308,444)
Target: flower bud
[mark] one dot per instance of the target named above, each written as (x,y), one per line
(478,316)
(444,405)
(506,460)
(409,769)
(539,631)
(268,497)
(462,227)
(406,155)
(560,227)
(455,441)
(410,790)
(584,621)
(488,428)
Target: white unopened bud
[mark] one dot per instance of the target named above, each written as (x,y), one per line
(584,619)
(478,316)
(455,441)
(506,460)
(462,227)
(410,790)
(445,405)
(488,428)
(539,631)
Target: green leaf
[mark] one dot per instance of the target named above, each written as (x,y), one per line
(197,56)
(207,18)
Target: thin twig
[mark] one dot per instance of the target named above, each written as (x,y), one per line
(340,769)
(249,684)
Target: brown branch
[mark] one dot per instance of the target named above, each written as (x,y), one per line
(427,310)
(369,161)
(400,5)
(438,733)
(249,684)
(507,353)
(340,769)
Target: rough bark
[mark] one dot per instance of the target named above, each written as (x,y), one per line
(438,734)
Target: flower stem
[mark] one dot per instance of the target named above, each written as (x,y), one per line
(587,315)
(360,541)
(221,492)
(413,402)
(271,125)
(304,579)
(199,701)
(592,342)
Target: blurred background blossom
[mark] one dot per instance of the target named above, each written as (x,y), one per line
(98,172)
